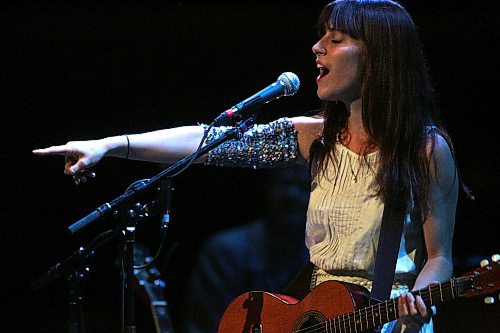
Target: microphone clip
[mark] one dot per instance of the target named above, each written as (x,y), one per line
(227,117)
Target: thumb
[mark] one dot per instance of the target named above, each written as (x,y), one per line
(78,166)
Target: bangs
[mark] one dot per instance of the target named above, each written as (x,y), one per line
(343,16)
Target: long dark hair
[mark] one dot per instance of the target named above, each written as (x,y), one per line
(397,99)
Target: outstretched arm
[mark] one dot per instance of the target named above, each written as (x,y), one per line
(170,145)
(163,146)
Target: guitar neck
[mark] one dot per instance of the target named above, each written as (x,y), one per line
(384,312)
(159,308)
(161,317)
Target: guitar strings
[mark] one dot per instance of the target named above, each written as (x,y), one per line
(348,320)
(344,321)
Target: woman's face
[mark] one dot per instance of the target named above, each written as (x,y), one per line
(339,60)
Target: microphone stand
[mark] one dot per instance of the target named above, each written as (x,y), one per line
(74,269)
(128,307)
(76,323)
(114,208)
(132,217)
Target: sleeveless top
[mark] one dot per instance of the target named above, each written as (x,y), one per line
(344,218)
(343,226)
(344,215)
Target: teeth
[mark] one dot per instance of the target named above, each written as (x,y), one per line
(319,66)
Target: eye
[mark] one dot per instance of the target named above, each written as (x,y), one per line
(336,37)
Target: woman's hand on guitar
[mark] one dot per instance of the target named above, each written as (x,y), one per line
(78,157)
(412,309)
(413,312)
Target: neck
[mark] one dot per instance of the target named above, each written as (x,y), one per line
(355,137)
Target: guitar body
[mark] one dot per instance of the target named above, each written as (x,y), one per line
(258,311)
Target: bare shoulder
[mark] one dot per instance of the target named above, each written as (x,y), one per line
(443,165)
(308,129)
(307,121)
(439,149)
(309,126)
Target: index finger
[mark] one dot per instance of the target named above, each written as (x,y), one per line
(54,150)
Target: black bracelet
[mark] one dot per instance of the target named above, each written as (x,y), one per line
(128,146)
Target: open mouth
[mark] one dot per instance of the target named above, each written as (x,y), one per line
(323,72)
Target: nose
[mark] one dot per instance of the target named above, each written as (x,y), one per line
(318,48)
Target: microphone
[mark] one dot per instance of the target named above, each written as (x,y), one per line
(287,84)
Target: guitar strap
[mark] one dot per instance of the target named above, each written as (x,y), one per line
(387,252)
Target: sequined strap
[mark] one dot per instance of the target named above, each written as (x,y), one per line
(271,145)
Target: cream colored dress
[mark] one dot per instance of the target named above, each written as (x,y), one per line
(343,226)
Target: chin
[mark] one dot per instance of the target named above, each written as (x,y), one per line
(322,96)
(325,97)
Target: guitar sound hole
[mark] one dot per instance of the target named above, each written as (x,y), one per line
(308,320)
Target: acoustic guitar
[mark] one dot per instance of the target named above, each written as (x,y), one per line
(342,307)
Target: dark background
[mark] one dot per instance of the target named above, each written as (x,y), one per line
(82,70)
